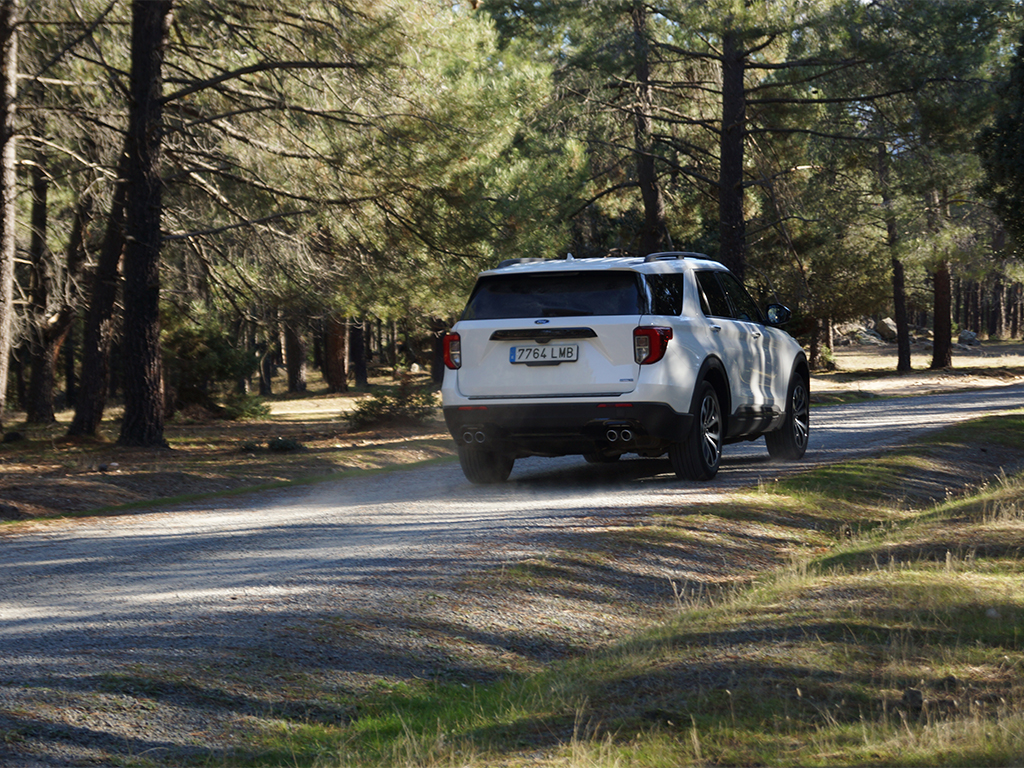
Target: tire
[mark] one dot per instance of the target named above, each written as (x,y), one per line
(484,467)
(697,456)
(789,442)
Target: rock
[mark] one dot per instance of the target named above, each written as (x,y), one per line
(886,328)
(848,329)
(968,339)
(870,338)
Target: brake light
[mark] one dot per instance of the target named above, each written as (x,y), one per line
(453,351)
(650,344)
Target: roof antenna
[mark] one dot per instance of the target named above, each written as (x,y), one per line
(568,257)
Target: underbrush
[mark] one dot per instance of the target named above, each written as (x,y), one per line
(900,642)
(405,404)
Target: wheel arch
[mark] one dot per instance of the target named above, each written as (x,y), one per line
(800,368)
(712,370)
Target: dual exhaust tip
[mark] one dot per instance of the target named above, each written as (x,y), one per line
(614,435)
(469,437)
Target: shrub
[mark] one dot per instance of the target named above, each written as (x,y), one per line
(408,405)
(200,361)
(284,444)
(240,407)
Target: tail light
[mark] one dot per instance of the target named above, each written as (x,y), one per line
(650,344)
(453,351)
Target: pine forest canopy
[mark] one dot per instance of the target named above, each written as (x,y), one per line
(182,176)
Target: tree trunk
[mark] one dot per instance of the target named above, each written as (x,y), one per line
(70,377)
(10,16)
(357,353)
(654,236)
(815,358)
(732,225)
(48,328)
(335,354)
(899,300)
(295,358)
(942,352)
(1016,302)
(39,407)
(998,325)
(143,423)
(98,327)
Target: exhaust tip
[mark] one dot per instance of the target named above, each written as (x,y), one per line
(480,437)
(612,435)
(467,437)
(626,435)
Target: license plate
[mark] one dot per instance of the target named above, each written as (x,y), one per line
(544,354)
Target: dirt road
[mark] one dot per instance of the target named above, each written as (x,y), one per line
(252,581)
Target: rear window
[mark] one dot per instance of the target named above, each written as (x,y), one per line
(666,293)
(565,294)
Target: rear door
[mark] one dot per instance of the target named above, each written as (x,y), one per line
(757,343)
(737,340)
(550,334)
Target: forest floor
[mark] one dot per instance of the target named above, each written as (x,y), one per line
(45,474)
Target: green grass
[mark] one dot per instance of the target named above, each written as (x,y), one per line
(895,636)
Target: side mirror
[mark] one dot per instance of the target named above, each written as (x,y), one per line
(778,314)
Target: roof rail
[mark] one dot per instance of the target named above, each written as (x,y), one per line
(523,260)
(669,255)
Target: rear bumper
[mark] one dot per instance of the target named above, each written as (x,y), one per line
(559,429)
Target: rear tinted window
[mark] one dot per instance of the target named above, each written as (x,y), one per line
(712,297)
(574,294)
(666,293)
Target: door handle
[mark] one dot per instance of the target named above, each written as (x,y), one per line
(716,328)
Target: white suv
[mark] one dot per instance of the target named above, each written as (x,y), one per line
(604,357)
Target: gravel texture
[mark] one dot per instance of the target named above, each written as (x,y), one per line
(172,635)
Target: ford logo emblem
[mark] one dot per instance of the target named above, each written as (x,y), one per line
(541,322)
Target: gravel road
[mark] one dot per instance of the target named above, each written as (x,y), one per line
(195,587)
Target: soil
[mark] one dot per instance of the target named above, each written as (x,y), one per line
(44,474)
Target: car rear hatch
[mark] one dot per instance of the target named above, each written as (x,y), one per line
(550,335)
(512,360)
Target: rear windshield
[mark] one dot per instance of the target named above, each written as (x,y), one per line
(572,294)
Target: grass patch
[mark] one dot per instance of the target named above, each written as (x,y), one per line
(894,636)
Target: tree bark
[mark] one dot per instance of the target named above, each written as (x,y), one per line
(732,225)
(143,423)
(10,15)
(70,375)
(39,406)
(98,327)
(997,328)
(942,351)
(899,300)
(335,353)
(295,358)
(49,326)
(654,236)
(1016,300)
(357,352)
